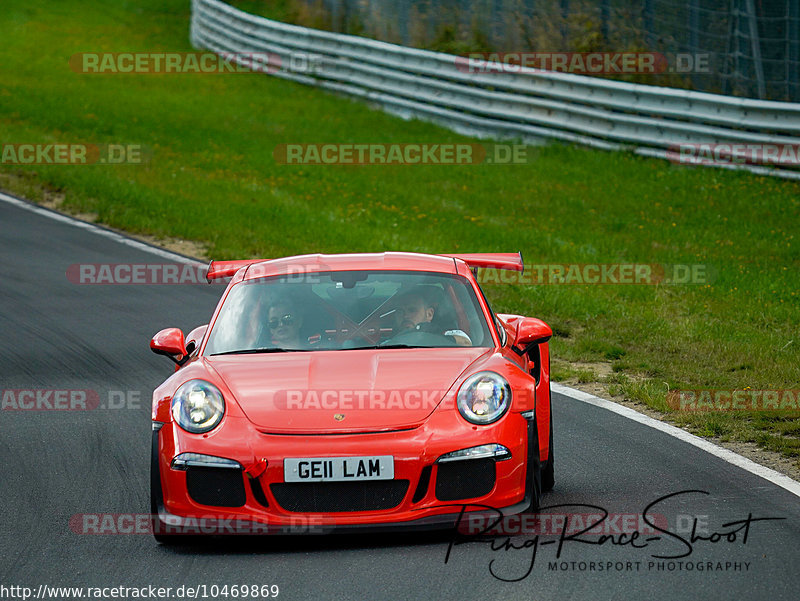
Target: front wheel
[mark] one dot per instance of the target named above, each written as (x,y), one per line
(156,498)
(533,482)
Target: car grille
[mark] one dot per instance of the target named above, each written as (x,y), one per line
(466,479)
(312,497)
(215,486)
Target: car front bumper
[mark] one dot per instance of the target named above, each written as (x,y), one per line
(254,499)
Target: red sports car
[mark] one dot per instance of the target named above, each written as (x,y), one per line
(334,392)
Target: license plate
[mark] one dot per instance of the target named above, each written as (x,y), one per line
(338,469)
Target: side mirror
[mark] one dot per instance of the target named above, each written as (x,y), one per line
(195,338)
(170,342)
(531,331)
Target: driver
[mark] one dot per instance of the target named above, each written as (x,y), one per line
(415,310)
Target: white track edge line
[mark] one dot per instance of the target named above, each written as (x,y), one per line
(744,463)
(117,237)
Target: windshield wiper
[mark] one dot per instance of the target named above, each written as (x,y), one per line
(255,351)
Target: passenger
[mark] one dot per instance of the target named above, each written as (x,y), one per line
(284,323)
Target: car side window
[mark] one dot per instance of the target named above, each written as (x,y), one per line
(500,330)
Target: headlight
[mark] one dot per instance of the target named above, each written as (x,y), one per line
(497,451)
(198,406)
(484,397)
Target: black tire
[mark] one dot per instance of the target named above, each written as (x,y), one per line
(548,471)
(534,478)
(157,499)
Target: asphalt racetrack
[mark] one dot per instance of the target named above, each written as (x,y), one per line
(60,464)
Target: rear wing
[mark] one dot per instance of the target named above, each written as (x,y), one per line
(227,269)
(510,261)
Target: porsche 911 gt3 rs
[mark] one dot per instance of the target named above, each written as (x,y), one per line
(333,392)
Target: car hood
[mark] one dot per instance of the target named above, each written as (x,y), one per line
(355,390)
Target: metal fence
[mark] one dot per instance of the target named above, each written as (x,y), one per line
(528,104)
(753,46)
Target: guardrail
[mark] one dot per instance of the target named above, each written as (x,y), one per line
(528,104)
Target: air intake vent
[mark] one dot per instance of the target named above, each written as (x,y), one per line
(327,497)
(465,479)
(218,487)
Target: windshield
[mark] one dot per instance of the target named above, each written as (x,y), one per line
(348,310)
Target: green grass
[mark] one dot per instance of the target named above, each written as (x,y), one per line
(212,178)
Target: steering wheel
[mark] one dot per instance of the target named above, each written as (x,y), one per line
(420,338)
